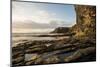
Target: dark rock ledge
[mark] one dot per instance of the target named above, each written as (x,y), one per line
(58,51)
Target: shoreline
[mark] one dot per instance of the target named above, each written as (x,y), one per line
(42,35)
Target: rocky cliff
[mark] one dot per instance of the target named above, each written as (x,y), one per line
(61,30)
(85,21)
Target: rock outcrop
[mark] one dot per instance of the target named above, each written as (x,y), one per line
(61,30)
(85,21)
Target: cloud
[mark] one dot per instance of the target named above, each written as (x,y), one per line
(43,16)
(23,11)
(32,25)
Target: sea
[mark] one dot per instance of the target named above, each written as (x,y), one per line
(21,37)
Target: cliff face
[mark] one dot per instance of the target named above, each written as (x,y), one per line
(85,21)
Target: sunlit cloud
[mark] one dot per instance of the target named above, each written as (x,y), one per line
(38,15)
(43,16)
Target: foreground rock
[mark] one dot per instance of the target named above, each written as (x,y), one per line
(57,51)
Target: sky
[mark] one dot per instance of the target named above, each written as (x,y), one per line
(32,16)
